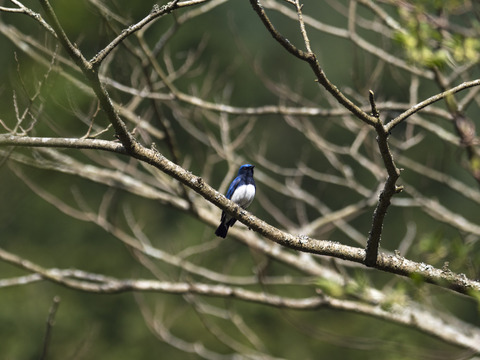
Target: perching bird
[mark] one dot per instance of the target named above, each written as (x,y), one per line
(241,191)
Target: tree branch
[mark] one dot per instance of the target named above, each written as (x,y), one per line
(311,59)
(64,143)
(50,322)
(397,265)
(155,13)
(416,108)
(22,9)
(466,335)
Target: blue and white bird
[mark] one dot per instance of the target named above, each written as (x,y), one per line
(241,191)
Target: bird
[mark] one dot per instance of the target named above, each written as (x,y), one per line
(241,191)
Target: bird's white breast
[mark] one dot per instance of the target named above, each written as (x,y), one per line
(244,195)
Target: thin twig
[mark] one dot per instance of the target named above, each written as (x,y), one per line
(302,26)
(50,322)
(371,98)
(22,9)
(155,13)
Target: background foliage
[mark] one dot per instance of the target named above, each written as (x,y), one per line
(307,166)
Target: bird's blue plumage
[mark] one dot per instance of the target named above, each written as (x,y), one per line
(232,187)
(241,191)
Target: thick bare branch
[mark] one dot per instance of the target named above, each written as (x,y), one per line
(301,242)
(64,143)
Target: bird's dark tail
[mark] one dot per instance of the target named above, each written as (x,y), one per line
(222,230)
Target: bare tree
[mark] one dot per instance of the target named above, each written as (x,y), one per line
(154,118)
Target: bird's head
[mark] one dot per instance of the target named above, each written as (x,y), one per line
(245,169)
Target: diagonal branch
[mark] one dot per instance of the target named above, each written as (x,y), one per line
(390,187)
(22,9)
(156,12)
(416,108)
(72,50)
(92,75)
(311,59)
(392,264)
